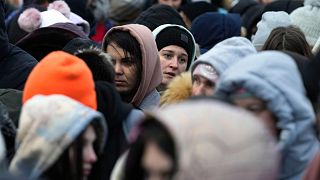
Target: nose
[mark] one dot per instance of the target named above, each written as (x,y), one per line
(91,156)
(174,63)
(118,69)
(199,90)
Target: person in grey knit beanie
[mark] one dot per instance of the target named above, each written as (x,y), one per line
(307,19)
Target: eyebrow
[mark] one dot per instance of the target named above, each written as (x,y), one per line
(183,54)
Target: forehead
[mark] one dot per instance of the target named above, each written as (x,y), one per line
(175,49)
(116,52)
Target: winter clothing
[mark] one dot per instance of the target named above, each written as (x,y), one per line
(59,120)
(218,28)
(62,73)
(316,47)
(12,100)
(283,5)
(2,151)
(32,19)
(117,117)
(269,21)
(225,53)
(79,43)
(207,71)
(179,89)
(99,63)
(158,15)
(15,33)
(171,34)
(8,130)
(49,39)
(306,18)
(251,17)
(151,74)
(124,11)
(15,64)
(80,8)
(221,146)
(195,9)
(274,78)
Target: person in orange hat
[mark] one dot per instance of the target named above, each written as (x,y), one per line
(62,73)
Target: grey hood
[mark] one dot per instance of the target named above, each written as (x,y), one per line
(274,77)
(226,53)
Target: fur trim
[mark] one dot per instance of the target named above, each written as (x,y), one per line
(106,58)
(30,20)
(60,6)
(179,89)
(312,3)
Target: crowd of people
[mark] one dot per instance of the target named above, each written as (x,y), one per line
(160,89)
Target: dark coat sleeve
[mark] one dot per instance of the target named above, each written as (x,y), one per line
(3,34)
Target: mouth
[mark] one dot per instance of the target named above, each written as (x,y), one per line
(120,83)
(87,171)
(170,74)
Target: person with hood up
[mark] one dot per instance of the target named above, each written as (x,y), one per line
(120,118)
(218,28)
(226,143)
(136,63)
(272,89)
(66,135)
(15,64)
(205,71)
(176,48)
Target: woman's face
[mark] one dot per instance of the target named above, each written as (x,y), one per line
(157,165)
(89,156)
(258,107)
(173,3)
(125,69)
(173,60)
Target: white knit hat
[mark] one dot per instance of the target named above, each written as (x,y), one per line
(269,21)
(307,19)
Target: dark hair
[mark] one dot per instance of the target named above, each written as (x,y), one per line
(289,38)
(130,45)
(72,169)
(99,63)
(151,130)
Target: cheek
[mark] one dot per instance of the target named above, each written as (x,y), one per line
(163,63)
(182,67)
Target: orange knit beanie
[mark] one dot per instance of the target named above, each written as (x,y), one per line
(62,73)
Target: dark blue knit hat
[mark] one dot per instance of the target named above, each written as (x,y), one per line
(211,28)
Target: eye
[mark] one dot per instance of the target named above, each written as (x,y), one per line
(209,84)
(127,61)
(167,56)
(256,108)
(182,60)
(113,61)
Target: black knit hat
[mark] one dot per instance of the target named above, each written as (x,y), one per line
(158,15)
(175,35)
(193,10)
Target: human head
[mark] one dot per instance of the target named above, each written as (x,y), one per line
(139,45)
(70,137)
(306,19)
(273,78)
(269,21)
(153,154)
(289,38)
(176,47)
(99,63)
(210,66)
(218,28)
(61,73)
(215,138)
(126,57)
(158,15)
(192,10)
